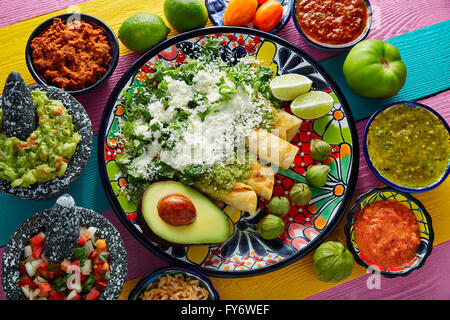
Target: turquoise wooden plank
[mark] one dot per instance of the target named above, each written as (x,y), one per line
(426,54)
(87,191)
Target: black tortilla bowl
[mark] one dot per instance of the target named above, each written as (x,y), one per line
(52,188)
(14,251)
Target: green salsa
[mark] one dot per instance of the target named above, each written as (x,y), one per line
(223,177)
(409,146)
(47,151)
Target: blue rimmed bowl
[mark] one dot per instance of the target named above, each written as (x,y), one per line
(216,9)
(377,173)
(327,46)
(417,209)
(204,282)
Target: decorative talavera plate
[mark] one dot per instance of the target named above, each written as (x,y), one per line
(417,209)
(245,252)
(216,9)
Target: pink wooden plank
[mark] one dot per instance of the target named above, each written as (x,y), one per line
(366,179)
(14,11)
(431,282)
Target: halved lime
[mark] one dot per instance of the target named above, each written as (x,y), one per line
(289,86)
(312,105)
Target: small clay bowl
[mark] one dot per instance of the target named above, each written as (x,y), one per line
(52,188)
(204,282)
(327,46)
(416,208)
(96,23)
(13,253)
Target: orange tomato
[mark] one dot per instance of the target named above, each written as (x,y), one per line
(239,12)
(268,15)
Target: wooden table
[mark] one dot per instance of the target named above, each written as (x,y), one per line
(391,18)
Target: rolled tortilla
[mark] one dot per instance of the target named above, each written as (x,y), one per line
(271,148)
(261,178)
(287,125)
(242,196)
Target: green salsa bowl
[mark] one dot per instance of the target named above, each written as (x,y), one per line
(407,146)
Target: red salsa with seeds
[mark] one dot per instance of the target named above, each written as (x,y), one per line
(84,278)
(332,21)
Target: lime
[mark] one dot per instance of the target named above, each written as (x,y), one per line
(312,105)
(289,86)
(185,15)
(142,31)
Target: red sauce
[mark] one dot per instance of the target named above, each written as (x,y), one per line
(332,21)
(387,233)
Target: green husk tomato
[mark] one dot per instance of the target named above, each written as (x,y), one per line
(374,69)
(332,262)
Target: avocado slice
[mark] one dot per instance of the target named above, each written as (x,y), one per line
(210,225)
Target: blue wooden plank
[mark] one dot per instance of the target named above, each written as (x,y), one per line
(426,54)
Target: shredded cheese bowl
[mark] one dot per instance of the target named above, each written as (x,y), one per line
(174,283)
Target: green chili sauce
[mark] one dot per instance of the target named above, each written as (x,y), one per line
(409,146)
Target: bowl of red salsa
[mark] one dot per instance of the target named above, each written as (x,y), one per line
(332,24)
(389,232)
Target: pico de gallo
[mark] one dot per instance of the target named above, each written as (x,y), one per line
(84,278)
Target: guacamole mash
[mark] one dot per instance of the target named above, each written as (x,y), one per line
(47,151)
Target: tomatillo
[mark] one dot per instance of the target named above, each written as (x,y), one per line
(374,69)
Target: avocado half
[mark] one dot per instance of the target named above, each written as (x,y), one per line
(210,225)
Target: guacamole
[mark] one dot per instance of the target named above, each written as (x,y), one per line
(409,146)
(47,151)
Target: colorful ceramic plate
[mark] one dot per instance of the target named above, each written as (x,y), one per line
(245,252)
(422,217)
(216,9)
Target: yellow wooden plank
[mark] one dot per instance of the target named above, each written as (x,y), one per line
(113,13)
(297,281)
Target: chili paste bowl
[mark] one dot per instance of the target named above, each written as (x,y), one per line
(327,46)
(14,250)
(417,209)
(203,281)
(97,24)
(378,174)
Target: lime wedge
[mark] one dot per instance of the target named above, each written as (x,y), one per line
(312,105)
(289,86)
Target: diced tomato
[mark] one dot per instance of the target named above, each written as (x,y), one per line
(45,287)
(75,262)
(37,239)
(98,269)
(64,265)
(100,244)
(101,284)
(84,238)
(93,255)
(22,268)
(105,266)
(37,251)
(27,281)
(30,143)
(93,294)
(57,111)
(83,277)
(56,295)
